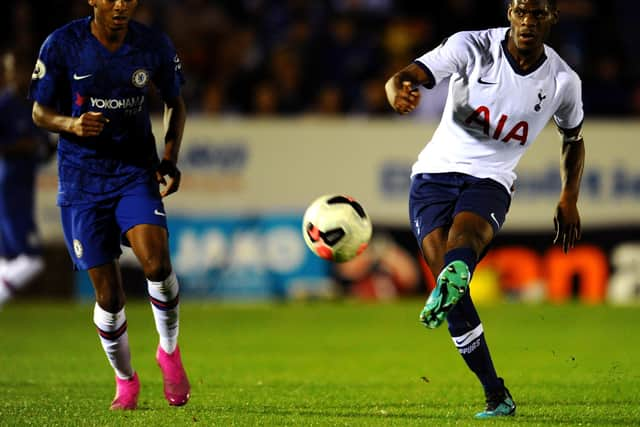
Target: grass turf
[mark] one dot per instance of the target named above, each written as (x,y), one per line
(325,364)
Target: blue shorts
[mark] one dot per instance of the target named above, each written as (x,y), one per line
(436,198)
(94,231)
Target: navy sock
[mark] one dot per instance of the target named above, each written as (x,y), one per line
(467,255)
(467,333)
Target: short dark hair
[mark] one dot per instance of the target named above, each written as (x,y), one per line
(552,3)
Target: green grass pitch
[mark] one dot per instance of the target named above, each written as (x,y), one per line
(324,364)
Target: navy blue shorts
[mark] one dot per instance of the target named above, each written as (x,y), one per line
(436,198)
(94,231)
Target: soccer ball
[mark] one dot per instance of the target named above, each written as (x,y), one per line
(336,227)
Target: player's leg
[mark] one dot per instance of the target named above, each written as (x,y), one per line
(481,210)
(467,333)
(447,293)
(111,323)
(92,239)
(141,215)
(432,202)
(150,245)
(470,235)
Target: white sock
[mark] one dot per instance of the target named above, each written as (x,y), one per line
(112,329)
(17,273)
(164,304)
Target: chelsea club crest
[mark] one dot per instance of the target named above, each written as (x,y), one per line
(77,248)
(140,78)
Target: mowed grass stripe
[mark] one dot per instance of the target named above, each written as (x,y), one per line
(344,363)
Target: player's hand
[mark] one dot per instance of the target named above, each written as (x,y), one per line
(90,123)
(567,225)
(407,99)
(168,175)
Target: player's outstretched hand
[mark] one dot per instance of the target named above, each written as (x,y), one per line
(407,99)
(90,123)
(168,175)
(567,225)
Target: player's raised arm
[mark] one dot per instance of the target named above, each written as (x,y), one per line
(567,218)
(175,114)
(402,88)
(88,124)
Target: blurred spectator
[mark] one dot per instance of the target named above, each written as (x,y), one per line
(289,57)
(372,99)
(213,99)
(570,37)
(635,100)
(286,71)
(605,93)
(328,102)
(265,100)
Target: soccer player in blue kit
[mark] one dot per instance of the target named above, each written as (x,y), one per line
(505,86)
(23,147)
(91,85)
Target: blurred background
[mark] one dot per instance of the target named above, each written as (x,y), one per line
(330,57)
(286,102)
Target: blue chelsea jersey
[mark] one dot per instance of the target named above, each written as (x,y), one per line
(74,74)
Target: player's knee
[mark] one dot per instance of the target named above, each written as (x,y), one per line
(157,270)
(111,302)
(470,238)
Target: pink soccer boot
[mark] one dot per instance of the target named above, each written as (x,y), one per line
(176,385)
(126,394)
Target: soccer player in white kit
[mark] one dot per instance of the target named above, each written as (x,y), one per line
(505,86)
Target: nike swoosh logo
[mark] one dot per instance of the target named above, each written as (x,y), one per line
(493,217)
(77,77)
(157,212)
(482,82)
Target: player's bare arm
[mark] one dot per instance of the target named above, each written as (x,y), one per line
(168,174)
(88,124)
(567,219)
(402,88)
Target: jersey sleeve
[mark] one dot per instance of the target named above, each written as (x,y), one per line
(169,77)
(570,113)
(450,57)
(47,74)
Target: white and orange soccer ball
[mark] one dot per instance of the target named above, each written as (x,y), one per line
(336,227)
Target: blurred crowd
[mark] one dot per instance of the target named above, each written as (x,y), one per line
(332,57)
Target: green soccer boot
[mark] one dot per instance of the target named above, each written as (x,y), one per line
(452,284)
(499,404)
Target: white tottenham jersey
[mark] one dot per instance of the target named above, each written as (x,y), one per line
(494,110)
